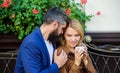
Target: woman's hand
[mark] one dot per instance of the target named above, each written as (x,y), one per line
(78,56)
(85,56)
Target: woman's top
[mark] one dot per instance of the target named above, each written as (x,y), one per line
(71,67)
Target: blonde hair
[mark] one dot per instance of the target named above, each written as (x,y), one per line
(75,24)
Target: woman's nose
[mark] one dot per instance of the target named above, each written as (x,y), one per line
(73,39)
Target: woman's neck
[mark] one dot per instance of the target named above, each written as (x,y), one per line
(72,49)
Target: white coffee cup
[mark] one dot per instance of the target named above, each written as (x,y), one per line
(80,47)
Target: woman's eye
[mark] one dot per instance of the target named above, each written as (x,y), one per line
(77,35)
(68,35)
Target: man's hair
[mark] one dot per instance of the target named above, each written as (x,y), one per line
(57,14)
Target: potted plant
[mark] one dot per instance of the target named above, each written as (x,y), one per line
(20,17)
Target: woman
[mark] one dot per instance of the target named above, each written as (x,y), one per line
(78,60)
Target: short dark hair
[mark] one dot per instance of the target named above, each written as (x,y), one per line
(55,13)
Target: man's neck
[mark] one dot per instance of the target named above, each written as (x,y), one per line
(45,31)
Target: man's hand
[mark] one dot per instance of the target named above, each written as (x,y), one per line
(61,59)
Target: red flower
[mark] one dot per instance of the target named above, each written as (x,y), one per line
(83,1)
(68,11)
(98,13)
(9,1)
(6,3)
(35,11)
(13,16)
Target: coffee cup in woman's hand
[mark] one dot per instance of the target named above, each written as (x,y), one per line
(81,48)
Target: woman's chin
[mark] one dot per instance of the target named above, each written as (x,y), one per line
(72,46)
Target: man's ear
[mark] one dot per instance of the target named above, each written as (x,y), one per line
(55,24)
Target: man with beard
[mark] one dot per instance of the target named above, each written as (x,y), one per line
(36,51)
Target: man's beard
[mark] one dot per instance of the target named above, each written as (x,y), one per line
(54,38)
